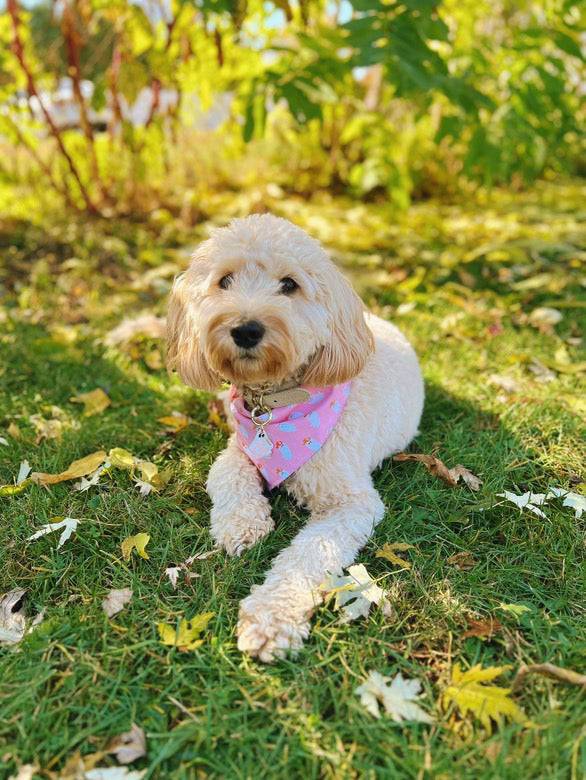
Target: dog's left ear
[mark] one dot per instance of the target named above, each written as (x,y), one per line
(351,340)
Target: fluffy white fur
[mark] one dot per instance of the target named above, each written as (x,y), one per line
(319,335)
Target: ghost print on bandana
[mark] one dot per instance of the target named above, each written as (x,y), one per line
(293,434)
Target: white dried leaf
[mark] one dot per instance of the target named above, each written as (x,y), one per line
(173,573)
(130,745)
(355,593)
(114,773)
(529,501)
(545,318)
(86,483)
(23,472)
(116,600)
(3,441)
(574,500)
(399,698)
(145,487)
(26,772)
(461,472)
(201,556)
(12,616)
(69,524)
(505,383)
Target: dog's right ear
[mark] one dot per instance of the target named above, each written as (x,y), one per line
(184,353)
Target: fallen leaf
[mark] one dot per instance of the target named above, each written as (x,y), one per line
(115,602)
(25,772)
(548,670)
(79,468)
(399,698)
(13,430)
(574,500)
(69,524)
(514,609)
(432,464)
(12,616)
(387,551)
(145,487)
(173,571)
(146,326)
(4,441)
(482,629)
(139,541)
(129,746)
(93,402)
(463,560)
(121,459)
(114,773)
(176,422)
(542,373)
(201,556)
(529,501)
(23,472)
(147,469)
(355,593)
(217,413)
(173,574)
(21,481)
(85,484)
(186,636)
(459,472)
(544,319)
(486,702)
(46,429)
(504,383)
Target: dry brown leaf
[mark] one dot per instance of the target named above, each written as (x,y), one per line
(463,560)
(79,468)
(482,629)
(14,431)
(434,465)
(460,472)
(93,402)
(548,670)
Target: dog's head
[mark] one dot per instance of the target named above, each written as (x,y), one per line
(261,301)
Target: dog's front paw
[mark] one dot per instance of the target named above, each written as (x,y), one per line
(242,528)
(268,630)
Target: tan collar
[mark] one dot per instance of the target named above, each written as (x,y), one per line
(286,395)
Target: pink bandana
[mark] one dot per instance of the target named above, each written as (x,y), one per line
(293,434)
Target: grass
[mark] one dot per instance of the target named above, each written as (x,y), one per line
(80,679)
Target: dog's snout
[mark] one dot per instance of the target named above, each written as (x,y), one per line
(248,334)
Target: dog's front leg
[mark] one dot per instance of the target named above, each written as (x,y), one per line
(241,513)
(275,617)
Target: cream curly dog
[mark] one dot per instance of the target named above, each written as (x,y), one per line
(263,307)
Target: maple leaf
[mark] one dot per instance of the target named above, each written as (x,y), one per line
(93,402)
(79,468)
(138,542)
(69,524)
(398,698)
(388,551)
(129,746)
(529,501)
(514,609)
(116,600)
(355,593)
(486,702)
(460,472)
(573,500)
(186,637)
(85,484)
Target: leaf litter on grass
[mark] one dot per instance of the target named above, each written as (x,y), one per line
(355,594)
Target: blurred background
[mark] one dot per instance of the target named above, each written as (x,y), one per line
(122,108)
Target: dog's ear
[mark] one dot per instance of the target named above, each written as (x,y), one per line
(184,353)
(351,341)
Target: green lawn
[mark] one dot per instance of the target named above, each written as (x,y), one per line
(472,273)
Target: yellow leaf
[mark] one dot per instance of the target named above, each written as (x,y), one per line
(387,551)
(139,541)
(485,702)
(93,402)
(186,637)
(121,459)
(13,490)
(174,423)
(147,470)
(515,609)
(79,468)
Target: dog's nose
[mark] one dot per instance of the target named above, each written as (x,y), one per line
(248,335)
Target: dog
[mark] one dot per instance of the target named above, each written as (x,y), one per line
(263,307)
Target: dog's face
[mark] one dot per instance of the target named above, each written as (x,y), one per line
(261,301)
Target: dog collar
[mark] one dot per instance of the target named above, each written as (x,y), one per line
(280,439)
(288,394)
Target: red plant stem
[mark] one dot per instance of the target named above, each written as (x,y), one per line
(17,47)
(72,47)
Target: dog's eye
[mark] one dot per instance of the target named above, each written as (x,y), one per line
(288,285)
(226,281)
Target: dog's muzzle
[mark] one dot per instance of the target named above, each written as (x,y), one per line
(248,335)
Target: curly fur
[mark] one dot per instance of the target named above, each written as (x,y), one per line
(319,335)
